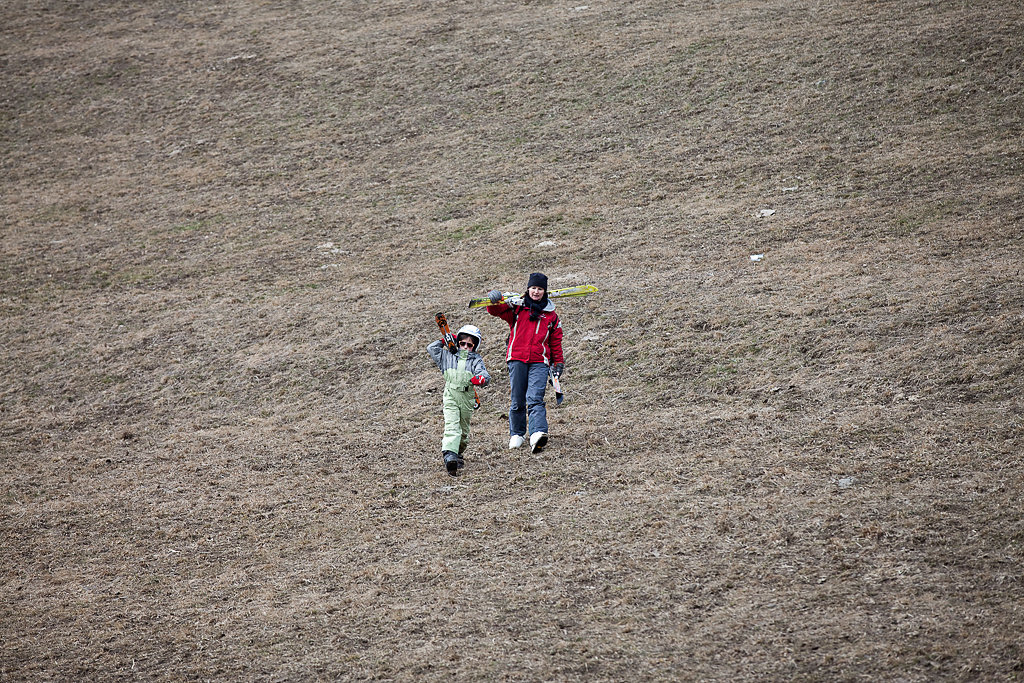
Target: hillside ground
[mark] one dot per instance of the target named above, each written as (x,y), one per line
(226,229)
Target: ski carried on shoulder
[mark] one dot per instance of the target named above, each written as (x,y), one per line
(446,332)
(449,341)
(516,299)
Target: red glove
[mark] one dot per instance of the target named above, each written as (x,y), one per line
(478,380)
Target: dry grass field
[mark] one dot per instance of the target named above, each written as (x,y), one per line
(227,226)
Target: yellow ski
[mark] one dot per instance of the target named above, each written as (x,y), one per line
(516,299)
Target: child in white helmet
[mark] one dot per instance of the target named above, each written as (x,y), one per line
(462,373)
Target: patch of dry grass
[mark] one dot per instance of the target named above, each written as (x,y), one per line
(226,230)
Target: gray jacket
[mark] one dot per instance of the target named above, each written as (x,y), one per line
(448,364)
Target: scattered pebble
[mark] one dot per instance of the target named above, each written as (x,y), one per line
(330,248)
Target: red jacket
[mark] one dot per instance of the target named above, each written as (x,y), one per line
(531,341)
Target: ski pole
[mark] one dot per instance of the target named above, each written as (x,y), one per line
(553,378)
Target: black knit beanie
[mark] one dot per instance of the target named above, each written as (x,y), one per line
(538,280)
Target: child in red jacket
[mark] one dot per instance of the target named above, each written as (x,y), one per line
(534,345)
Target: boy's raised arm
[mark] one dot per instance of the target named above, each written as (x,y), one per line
(435,348)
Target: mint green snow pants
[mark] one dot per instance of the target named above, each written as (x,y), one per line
(458,407)
(457,404)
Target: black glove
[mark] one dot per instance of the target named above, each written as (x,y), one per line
(558,369)
(494,295)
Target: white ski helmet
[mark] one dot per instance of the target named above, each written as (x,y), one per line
(473,331)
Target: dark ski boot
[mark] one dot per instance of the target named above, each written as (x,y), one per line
(538,440)
(452,462)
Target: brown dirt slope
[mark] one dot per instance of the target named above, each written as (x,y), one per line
(226,228)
